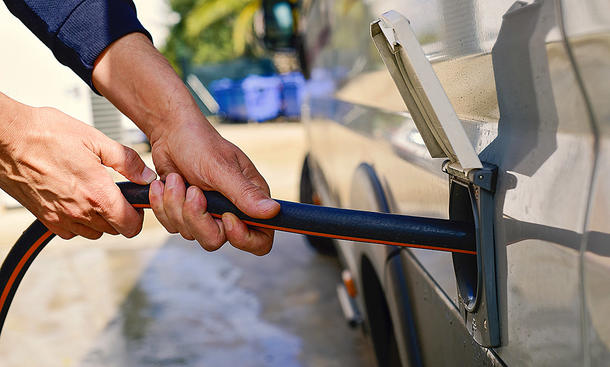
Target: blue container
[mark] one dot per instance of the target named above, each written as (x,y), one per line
(255,98)
(293,89)
(238,110)
(261,98)
(222,92)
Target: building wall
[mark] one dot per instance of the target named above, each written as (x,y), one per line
(30,74)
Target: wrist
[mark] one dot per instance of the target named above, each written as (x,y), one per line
(141,83)
(181,119)
(12,115)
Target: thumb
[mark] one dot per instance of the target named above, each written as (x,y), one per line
(126,161)
(248,197)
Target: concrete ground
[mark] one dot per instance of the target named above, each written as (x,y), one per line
(158,300)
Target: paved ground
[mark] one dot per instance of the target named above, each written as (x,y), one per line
(157,300)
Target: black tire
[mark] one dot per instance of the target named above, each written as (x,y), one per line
(379,328)
(307,195)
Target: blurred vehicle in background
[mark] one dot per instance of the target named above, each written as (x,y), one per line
(529,81)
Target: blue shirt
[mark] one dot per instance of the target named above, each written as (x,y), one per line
(78,31)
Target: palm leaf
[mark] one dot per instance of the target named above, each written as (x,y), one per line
(243,26)
(208,12)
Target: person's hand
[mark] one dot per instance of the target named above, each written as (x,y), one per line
(54,166)
(140,82)
(198,153)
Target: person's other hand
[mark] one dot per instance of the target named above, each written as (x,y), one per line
(54,164)
(198,153)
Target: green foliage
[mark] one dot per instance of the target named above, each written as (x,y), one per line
(183,7)
(206,13)
(215,43)
(205,32)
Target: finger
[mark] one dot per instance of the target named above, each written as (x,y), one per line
(61,232)
(65,235)
(84,231)
(155,196)
(206,230)
(98,223)
(126,161)
(246,195)
(121,215)
(173,201)
(256,241)
(164,166)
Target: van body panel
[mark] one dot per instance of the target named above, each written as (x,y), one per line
(529,81)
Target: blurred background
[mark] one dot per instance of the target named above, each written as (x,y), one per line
(158,300)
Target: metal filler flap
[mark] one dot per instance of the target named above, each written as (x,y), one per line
(422,92)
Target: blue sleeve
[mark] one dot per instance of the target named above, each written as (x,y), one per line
(77,31)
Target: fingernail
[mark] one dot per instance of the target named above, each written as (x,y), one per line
(191,193)
(148,175)
(266,205)
(155,188)
(228,222)
(171,181)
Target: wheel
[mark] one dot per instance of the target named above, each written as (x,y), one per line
(379,326)
(308,195)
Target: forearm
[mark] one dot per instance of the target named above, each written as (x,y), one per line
(140,82)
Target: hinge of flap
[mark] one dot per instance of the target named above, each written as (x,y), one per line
(483,177)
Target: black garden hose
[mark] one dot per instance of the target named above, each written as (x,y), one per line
(370,227)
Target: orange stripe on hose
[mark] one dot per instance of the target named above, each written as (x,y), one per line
(328,235)
(20,265)
(339,237)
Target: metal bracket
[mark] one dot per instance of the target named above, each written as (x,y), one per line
(478,299)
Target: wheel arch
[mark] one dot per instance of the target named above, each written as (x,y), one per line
(385,295)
